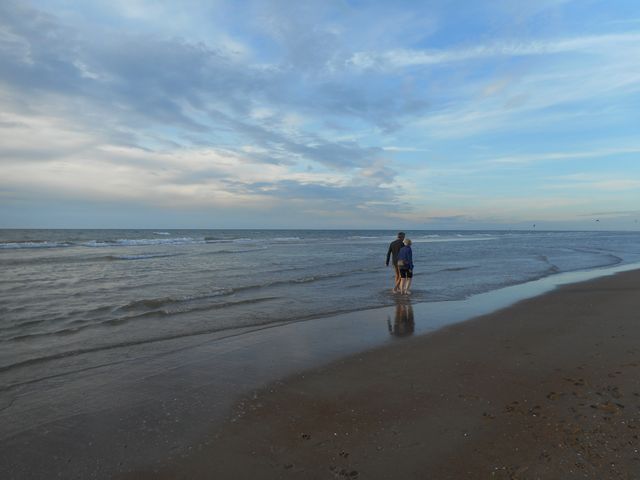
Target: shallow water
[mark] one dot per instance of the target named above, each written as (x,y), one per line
(64,292)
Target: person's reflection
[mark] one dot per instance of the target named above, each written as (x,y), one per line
(403,325)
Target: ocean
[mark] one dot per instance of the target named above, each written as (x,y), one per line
(70,292)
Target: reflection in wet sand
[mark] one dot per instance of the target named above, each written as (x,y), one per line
(403,324)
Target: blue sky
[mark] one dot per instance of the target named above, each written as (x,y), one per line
(327,114)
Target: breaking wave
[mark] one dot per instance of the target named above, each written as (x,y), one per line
(34,244)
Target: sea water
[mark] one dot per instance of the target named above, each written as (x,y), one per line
(70,292)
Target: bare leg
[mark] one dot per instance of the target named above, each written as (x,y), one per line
(396,284)
(403,288)
(395,279)
(407,285)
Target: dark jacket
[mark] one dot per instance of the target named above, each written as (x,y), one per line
(406,255)
(394,248)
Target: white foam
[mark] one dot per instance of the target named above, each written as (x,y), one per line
(161,233)
(244,240)
(431,239)
(141,256)
(11,245)
(134,242)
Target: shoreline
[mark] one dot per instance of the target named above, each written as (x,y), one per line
(141,411)
(545,388)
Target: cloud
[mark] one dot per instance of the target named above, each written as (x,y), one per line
(625,213)
(505,85)
(56,160)
(403,58)
(554,156)
(559,97)
(82,98)
(143,78)
(394,148)
(449,218)
(332,194)
(594,183)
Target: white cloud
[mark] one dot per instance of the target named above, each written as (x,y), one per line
(393,148)
(402,58)
(27,138)
(484,209)
(551,156)
(57,159)
(522,96)
(532,101)
(593,183)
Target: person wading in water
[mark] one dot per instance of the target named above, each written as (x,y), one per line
(394,248)
(405,266)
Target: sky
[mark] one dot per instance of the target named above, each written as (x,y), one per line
(437,114)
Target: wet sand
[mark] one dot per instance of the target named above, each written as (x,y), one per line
(548,388)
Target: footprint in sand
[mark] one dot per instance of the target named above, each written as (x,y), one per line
(613,391)
(578,382)
(554,395)
(608,407)
(344,473)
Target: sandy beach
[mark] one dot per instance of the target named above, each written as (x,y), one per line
(548,388)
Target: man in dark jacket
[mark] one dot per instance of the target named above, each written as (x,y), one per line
(394,248)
